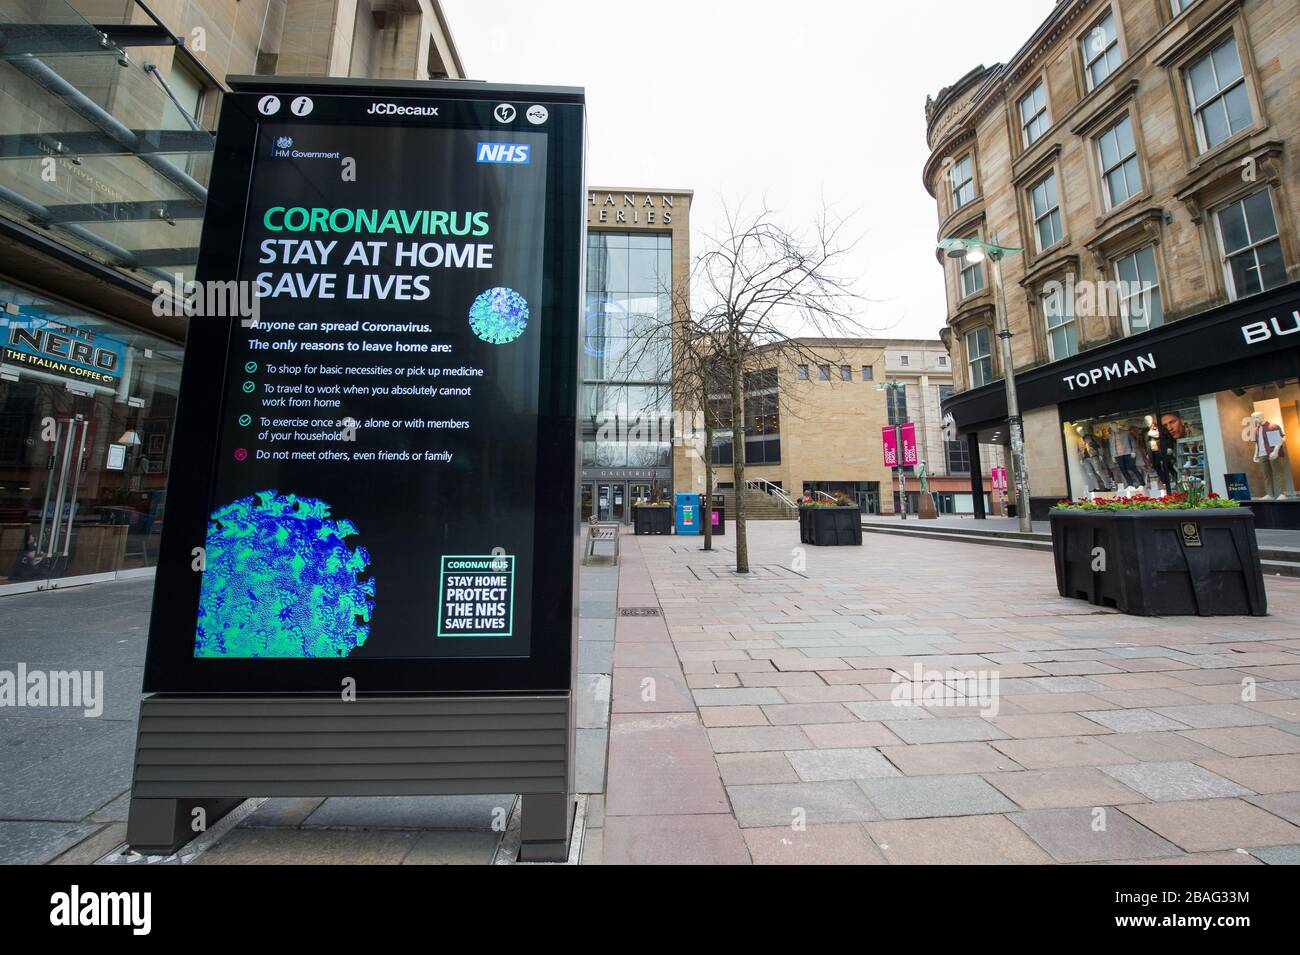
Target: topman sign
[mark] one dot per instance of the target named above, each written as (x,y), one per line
(1116,369)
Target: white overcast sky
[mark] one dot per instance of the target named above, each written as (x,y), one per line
(753,100)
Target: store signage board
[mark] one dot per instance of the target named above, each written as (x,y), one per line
(38,341)
(392,446)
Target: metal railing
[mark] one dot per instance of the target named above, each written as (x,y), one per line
(767,487)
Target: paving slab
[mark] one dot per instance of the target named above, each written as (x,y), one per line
(664,766)
(786,804)
(961,840)
(913,797)
(1076,787)
(1206,825)
(712,839)
(740,769)
(1165,782)
(817,765)
(1060,752)
(814,845)
(1087,835)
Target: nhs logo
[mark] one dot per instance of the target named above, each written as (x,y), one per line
(516,153)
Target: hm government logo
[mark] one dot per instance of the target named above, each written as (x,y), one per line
(284,142)
(515,154)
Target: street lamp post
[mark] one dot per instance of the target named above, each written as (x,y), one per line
(892,388)
(974,251)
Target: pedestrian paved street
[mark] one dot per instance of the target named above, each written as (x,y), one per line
(752,720)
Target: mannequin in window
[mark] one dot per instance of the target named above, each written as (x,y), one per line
(1270,447)
(1094,464)
(1124,448)
(1162,447)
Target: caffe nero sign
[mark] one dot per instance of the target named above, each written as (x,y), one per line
(1251,328)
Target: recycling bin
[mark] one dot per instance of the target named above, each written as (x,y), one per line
(686,511)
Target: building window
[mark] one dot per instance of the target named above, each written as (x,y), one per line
(846,372)
(802,372)
(1252,253)
(979,360)
(963,181)
(1120,176)
(1139,291)
(1033,114)
(897,402)
(1047,213)
(957,457)
(943,361)
(868,373)
(902,359)
(1216,86)
(972,277)
(1101,54)
(824,372)
(1062,336)
(1181,5)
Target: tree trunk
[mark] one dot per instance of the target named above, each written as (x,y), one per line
(738,458)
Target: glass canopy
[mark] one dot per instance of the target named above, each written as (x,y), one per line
(95,152)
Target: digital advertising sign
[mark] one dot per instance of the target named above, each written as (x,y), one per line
(375,475)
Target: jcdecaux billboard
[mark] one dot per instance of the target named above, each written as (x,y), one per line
(374,478)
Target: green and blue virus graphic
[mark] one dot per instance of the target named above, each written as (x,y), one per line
(281,581)
(499,315)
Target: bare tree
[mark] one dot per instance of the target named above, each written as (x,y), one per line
(698,371)
(766,291)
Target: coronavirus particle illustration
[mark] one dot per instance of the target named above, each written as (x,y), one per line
(499,315)
(281,581)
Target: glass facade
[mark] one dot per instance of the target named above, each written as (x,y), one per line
(626,403)
(87,411)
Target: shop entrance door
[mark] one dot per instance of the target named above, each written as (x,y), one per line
(610,502)
(53,532)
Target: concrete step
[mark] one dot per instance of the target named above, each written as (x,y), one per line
(1274,561)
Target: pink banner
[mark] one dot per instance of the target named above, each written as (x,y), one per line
(910,456)
(889,440)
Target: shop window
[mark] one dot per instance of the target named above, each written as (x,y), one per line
(1047,212)
(1101,53)
(1062,335)
(979,359)
(1145,449)
(957,457)
(1252,253)
(1139,291)
(1216,87)
(1120,177)
(963,181)
(1033,114)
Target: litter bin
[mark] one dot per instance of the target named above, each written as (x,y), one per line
(687,513)
(719,515)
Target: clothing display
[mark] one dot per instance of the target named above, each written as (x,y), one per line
(1094,465)
(1163,448)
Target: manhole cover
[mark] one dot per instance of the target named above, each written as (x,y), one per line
(638,611)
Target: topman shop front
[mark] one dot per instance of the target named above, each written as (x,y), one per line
(1214,397)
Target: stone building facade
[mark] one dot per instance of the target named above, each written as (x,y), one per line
(814,418)
(1141,153)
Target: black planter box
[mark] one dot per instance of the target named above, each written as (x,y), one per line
(828,526)
(1161,563)
(652,520)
